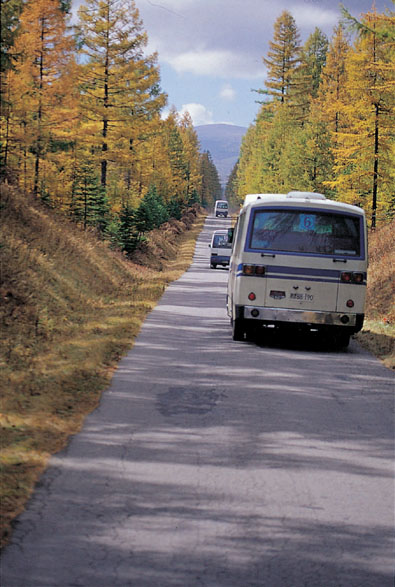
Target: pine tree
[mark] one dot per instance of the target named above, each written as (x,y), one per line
(89,204)
(126,236)
(151,212)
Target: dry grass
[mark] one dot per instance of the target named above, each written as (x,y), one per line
(378,334)
(70,308)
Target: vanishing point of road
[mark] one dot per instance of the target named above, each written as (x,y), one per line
(213,463)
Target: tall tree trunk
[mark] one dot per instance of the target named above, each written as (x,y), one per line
(105,103)
(375,165)
(376,140)
(39,114)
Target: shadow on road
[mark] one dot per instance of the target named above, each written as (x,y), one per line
(216,463)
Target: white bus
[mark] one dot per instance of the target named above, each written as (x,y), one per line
(300,261)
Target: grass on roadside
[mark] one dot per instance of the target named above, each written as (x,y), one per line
(378,334)
(378,337)
(70,308)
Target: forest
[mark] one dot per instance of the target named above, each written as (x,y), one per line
(89,167)
(326,120)
(81,125)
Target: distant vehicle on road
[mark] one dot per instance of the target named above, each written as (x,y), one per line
(220,249)
(221,208)
(298,261)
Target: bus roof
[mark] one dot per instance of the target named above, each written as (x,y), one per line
(305,199)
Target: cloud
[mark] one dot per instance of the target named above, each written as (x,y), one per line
(218,38)
(227,92)
(203,45)
(309,16)
(199,113)
(216,62)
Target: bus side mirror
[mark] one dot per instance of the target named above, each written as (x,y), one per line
(230,234)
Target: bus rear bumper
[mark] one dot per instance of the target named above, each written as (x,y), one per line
(301,317)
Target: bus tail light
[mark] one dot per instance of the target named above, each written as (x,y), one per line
(358,277)
(346,277)
(254,270)
(351,277)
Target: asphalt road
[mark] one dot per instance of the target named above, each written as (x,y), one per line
(213,463)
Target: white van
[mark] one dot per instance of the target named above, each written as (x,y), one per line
(220,249)
(221,208)
(298,260)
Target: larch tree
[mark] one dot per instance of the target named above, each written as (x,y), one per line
(177,159)
(10,14)
(332,92)
(211,187)
(281,153)
(364,154)
(246,152)
(317,151)
(191,151)
(250,166)
(283,58)
(120,94)
(41,85)
(314,55)
(231,187)
(307,77)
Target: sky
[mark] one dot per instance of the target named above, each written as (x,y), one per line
(210,51)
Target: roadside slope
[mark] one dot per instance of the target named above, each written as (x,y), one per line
(71,307)
(378,335)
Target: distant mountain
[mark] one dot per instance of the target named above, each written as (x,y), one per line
(223,141)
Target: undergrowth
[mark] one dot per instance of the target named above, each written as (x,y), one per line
(378,334)
(70,308)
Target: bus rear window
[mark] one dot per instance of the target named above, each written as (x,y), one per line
(306,231)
